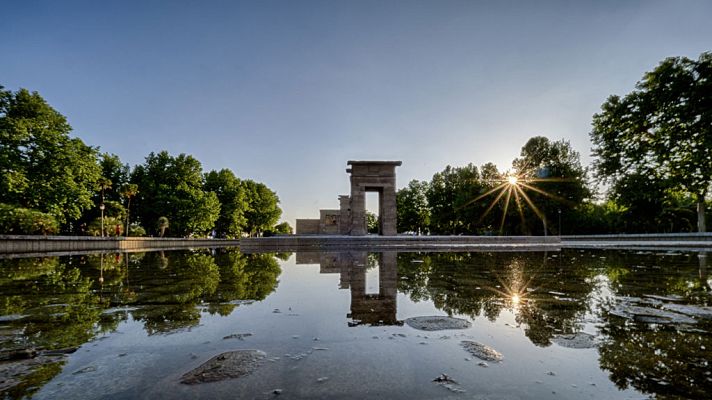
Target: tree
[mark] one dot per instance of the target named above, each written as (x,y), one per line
(116,173)
(263,207)
(453,198)
(371,222)
(553,179)
(233,202)
(173,187)
(128,191)
(162,224)
(412,205)
(662,129)
(41,167)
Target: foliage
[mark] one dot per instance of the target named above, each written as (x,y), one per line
(22,221)
(129,191)
(41,166)
(173,187)
(452,195)
(371,222)
(136,230)
(162,224)
(413,210)
(233,202)
(263,207)
(661,130)
(280,229)
(110,226)
(557,182)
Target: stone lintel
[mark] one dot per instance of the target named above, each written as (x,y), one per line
(394,163)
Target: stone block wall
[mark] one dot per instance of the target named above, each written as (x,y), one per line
(307,227)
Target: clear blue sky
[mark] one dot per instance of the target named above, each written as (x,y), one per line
(285,92)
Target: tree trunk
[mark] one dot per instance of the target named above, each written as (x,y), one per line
(128,212)
(701,226)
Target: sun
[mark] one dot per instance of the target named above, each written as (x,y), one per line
(512,180)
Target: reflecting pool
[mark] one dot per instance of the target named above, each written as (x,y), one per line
(356,324)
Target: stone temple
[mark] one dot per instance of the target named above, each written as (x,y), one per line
(350,218)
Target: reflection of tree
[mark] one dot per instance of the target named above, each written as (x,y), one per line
(55,309)
(243,277)
(171,297)
(547,297)
(59,302)
(665,360)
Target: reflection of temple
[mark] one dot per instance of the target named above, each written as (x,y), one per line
(366,308)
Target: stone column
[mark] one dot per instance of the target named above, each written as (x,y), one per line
(389,217)
(345,217)
(358,210)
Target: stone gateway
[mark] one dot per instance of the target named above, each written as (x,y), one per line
(350,218)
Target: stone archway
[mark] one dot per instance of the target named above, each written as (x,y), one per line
(372,176)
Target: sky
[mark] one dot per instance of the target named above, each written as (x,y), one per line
(286,92)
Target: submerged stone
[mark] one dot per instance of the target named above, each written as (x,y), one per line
(651,315)
(579,340)
(481,351)
(232,364)
(695,311)
(437,323)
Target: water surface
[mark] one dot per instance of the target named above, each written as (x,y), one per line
(570,324)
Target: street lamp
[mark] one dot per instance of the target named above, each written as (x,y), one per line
(559,222)
(101,207)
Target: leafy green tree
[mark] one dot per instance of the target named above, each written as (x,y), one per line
(371,222)
(454,199)
(173,187)
(22,221)
(233,202)
(553,179)
(263,211)
(283,229)
(662,129)
(162,225)
(128,191)
(115,173)
(412,206)
(41,166)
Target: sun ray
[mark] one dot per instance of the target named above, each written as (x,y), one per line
(487,193)
(547,194)
(531,204)
(506,207)
(491,206)
(518,200)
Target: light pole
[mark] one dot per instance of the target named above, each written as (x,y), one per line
(101,207)
(559,222)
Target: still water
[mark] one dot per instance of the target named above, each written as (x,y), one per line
(570,324)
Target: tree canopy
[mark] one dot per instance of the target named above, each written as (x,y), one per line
(661,130)
(41,166)
(173,187)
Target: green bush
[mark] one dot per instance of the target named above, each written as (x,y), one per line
(22,221)
(136,230)
(110,227)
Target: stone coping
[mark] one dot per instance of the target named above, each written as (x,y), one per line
(696,236)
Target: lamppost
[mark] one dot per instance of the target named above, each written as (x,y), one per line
(559,222)
(101,207)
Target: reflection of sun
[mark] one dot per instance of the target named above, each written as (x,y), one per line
(515,299)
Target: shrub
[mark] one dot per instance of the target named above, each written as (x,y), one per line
(23,221)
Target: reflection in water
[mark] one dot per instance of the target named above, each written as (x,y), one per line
(547,298)
(624,302)
(667,359)
(53,305)
(366,308)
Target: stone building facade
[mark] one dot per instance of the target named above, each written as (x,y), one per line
(350,218)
